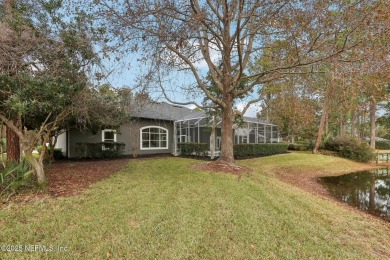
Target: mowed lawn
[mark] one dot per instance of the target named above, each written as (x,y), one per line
(161,208)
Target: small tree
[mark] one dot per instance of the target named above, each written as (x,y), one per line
(42,70)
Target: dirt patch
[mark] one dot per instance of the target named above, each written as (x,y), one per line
(302,179)
(215,166)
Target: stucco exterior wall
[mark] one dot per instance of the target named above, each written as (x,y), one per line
(124,135)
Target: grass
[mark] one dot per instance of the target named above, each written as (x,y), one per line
(160,208)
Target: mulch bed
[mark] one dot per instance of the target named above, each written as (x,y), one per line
(69,178)
(215,166)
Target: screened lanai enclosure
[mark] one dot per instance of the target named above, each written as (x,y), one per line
(198,129)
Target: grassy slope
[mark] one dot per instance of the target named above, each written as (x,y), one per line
(161,209)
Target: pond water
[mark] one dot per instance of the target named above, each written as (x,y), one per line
(365,190)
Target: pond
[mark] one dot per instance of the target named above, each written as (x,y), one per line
(365,190)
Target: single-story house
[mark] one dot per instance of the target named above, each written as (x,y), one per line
(159,127)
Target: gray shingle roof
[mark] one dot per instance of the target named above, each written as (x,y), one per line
(161,110)
(165,111)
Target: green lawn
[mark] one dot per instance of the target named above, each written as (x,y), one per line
(160,208)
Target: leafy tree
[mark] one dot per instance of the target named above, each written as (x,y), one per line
(42,71)
(295,115)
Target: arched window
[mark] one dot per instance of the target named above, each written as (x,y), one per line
(153,137)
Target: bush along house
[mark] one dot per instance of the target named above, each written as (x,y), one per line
(161,128)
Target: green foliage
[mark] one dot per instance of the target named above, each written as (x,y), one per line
(248,150)
(298,147)
(2,143)
(336,144)
(15,176)
(99,150)
(351,149)
(57,152)
(360,153)
(197,149)
(382,145)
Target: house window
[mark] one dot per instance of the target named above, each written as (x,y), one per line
(218,142)
(109,135)
(154,137)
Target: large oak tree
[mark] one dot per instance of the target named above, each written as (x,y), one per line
(229,35)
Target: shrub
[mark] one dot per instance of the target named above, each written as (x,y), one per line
(351,149)
(382,145)
(337,144)
(360,153)
(248,150)
(198,149)
(15,176)
(57,152)
(99,150)
(311,143)
(298,147)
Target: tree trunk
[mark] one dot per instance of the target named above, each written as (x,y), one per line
(327,123)
(363,125)
(2,145)
(372,122)
(352,123)
(12,139)
(12,144)
(321,127)
(52,144)
(359,130)
(37,165)
(227,156)
(27,147)
(212,139)
(341,124)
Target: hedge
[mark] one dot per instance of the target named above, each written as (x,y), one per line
(298,147)
(198,149)
(248,150)
(99,150)
(57,152)
(382,145)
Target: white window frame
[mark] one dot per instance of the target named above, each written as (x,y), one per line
(108,130)
(153,148)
